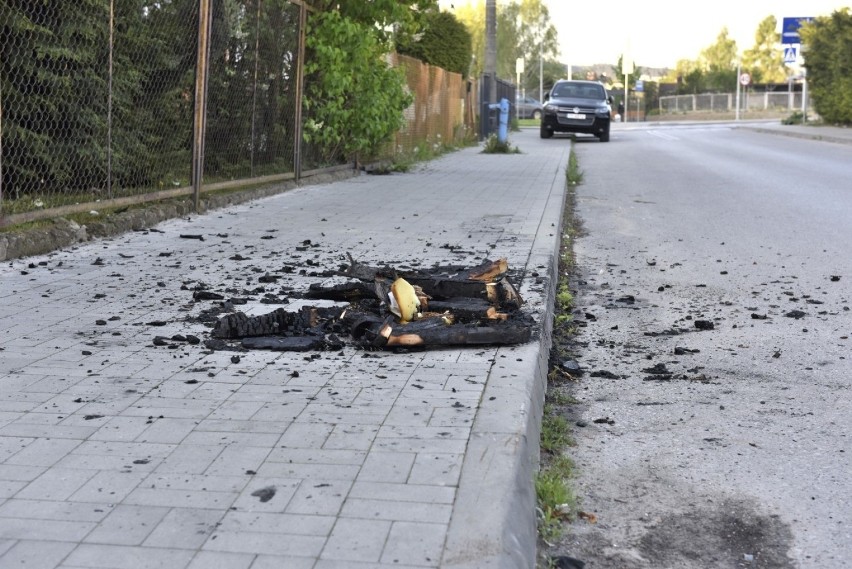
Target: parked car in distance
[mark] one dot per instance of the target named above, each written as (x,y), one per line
(577,107)
(528,108)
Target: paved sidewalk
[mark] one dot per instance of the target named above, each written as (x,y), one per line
(115,453)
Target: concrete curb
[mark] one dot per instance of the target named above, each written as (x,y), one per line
(800,134)
(502,458)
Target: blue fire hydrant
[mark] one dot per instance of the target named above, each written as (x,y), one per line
(503,130)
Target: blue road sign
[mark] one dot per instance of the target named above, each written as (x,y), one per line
(640,86)
(790,29)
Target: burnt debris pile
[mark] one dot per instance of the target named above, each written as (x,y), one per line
(387,308)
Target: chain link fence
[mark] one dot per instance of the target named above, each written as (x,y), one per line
(98,104)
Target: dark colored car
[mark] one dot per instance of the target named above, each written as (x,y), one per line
(528,108)
(577,106)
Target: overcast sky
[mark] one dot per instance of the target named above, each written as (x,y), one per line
(660,33)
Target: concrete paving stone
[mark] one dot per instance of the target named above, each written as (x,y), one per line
(460,417)
(167,430)
(108,487)
(234,410)
(171,408)
(475,383)
(43,452)
(340,564)
(180,498)
(316,455)
(230,438)
(417,445)
(442,469)
(332,414)
(418,493)
(382,396)
(37,554)
(348,436)
(306,436)
(237,458)
(245,428)
(183,481)
(280,523)
(127,525)
(278,562)
(132,450)
(223,560)
(386,467)
(319,497)
(7,417)
(188,459)
(115,463)
(22,401)
(265,544)
(357,540)
(250,498)
(56,484)
(307,471)
(20,473)
(415,543)
(105,556)
(121,428)
(184,528)
(6,545)
(8,488)
(49,384)
(396,511)
(440,432)
(48,530)
(54,510)
(280,412)
(410,413)
(46,431)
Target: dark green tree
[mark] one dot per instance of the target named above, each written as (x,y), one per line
(444,42)
(54,99)
(719,62)
(827,45)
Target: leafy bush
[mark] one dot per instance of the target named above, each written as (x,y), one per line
(354,99)
(828,43)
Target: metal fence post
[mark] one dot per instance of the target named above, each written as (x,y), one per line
(300,86)
(200,124)
(1,154)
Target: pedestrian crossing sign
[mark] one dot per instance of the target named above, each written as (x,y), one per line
(791,53)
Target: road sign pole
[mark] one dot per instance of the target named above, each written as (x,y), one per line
(737,112)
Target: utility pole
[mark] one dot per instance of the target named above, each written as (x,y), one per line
(491,48)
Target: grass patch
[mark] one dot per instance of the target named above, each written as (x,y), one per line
(555,433)
(556,501)
(493,145)
(573,174)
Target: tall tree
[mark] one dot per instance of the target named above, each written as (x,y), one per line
(720,63)
(828,41)
(524,29)
(765,61)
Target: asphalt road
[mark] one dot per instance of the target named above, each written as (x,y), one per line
(722,447)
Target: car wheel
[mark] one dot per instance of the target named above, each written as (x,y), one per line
(604,137)
(536,115)
(545,132)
